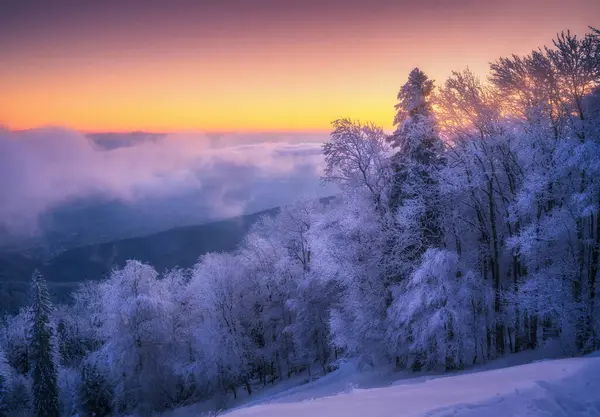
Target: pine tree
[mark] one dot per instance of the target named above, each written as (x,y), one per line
(44,368)
(413,100)
(418,159)
(95,395)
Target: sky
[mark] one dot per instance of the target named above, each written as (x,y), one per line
(240,94)
(251,66)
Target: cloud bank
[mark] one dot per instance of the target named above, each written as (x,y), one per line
(231,174)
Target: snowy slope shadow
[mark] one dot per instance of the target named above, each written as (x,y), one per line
(567,387)
(577,395)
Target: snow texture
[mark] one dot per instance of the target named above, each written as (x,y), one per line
(565,387)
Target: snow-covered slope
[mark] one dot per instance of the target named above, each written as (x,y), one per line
(565,387)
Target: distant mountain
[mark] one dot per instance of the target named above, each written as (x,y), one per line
(95,220)
(179,247)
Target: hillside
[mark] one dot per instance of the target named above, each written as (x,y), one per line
(176,247)
(179,247)
(550,388)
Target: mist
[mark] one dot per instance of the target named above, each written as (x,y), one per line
(228,174)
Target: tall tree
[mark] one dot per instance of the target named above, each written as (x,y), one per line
(42,352)
(135,309)
(356,159)
(419,155)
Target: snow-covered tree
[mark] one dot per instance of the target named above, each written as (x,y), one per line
(356,158)
(135,310)
(437,315)
(14,391)
(413,102)
(15,339)
(95,396)
(471,232)
(226,301)
(352,246)
(419,155)
(42,352)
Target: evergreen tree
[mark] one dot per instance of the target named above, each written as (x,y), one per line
(44,367)
(95,394)
(417,162)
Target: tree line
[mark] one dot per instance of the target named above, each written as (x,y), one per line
(469,233)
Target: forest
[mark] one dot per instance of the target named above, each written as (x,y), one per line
(469,233)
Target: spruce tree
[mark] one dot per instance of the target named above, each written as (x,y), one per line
(95,394)
(419,155)
(42,345)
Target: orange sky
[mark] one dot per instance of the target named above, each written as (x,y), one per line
(225,66)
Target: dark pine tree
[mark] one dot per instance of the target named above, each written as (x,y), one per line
(95,395)
(44,368)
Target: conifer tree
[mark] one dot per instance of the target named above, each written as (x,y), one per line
(418,159)
(95,394)
(42,344)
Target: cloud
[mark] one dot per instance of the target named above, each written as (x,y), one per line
(229,173)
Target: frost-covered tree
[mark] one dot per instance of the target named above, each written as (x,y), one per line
(434,312)
(135,310)
(356,158)
(419,155)
(42,352)
(415,223)
(485,176)
(311,307)
(352,246)
(14,391)
(556,207)
(471,232)
(354,235)
(413,102)
(76,337)
(226,301)
(15,339)
(95,396)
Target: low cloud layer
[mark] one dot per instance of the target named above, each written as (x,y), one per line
(231,173)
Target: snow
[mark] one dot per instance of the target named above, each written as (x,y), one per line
(565,387)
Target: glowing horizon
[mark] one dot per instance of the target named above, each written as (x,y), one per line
(227,67)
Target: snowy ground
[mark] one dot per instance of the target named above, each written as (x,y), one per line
(549,388)
(565,387)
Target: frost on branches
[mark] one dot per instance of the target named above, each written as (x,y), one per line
(42,352)
(470,232)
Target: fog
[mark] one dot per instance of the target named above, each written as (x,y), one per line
(231,174)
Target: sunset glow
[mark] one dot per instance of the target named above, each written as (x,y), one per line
(227,66)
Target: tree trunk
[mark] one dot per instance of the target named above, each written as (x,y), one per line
(593,279)
(577,285)
(248,387)
(533,332)
(516,274)
(495,264)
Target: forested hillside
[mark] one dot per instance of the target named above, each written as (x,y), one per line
(469,233)
(175,248)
